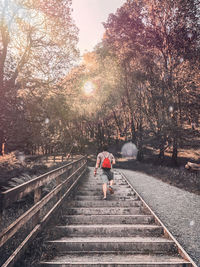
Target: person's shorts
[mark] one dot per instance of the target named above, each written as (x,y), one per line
(106,176)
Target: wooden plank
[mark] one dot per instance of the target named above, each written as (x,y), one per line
(6,234)
(37,194)
(18,192)
(37,197)
(58,181)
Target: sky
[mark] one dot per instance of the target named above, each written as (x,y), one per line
(88,16)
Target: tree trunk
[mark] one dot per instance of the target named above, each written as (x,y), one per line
(100,136)
(117,122)
(140,154)
(175,151)
(1,141)
(133,135)
(1,144)
(161,155)
(128,100)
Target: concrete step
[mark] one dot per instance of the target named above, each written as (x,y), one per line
(99,188)
(114,230)
(108,219)
(99,183)
(128,203)
(100,196)
(99,192)
(103,211)
(113,260)
(143,245)
(94,185)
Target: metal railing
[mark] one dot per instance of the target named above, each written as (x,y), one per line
(65,178)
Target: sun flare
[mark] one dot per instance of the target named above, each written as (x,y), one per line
(88,88)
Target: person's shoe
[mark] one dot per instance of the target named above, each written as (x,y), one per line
(104,198)
(111,190)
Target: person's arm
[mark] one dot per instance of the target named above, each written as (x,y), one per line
(97,166)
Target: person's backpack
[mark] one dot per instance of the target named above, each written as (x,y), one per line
(106,164)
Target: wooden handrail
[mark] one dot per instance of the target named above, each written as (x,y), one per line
(12,229)
(77,168)
(12,195)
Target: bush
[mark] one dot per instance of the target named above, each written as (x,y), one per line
(10,161)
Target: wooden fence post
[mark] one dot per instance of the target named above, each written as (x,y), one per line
(58,181)
(37,197)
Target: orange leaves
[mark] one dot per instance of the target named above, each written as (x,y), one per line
(90,60)
(55,10)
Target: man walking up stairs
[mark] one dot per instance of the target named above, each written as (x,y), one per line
(116,232)
(105,161)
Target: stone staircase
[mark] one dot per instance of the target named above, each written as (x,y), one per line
(112,232)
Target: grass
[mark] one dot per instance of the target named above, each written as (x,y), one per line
(15,165)
(16,169)
(176,176)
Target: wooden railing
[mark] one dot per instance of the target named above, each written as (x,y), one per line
(54,158)
(58,157)
(65,177)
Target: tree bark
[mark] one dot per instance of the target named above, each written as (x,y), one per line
(161,155)
(175,151)
(133,134)
(140,155)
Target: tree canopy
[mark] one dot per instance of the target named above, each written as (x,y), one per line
(37,48)
(141,83)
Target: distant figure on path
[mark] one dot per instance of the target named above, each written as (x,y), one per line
(105,160)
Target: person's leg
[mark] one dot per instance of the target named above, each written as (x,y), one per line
(104,179)
(111,183)
(111,176)
(104,190)
(110,187)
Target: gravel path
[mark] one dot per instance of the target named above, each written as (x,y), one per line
(177,209)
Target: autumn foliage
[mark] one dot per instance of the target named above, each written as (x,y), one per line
(144,73)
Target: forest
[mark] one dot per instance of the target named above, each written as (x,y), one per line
(141,83)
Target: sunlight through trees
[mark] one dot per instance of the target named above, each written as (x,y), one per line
(140,84)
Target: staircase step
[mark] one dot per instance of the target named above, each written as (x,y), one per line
(100,196)
(143,245)
(118,190)
(113,260)
(103,211)
(99,192)
(108,219)
(99,186)
(114,230)
(111,203)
